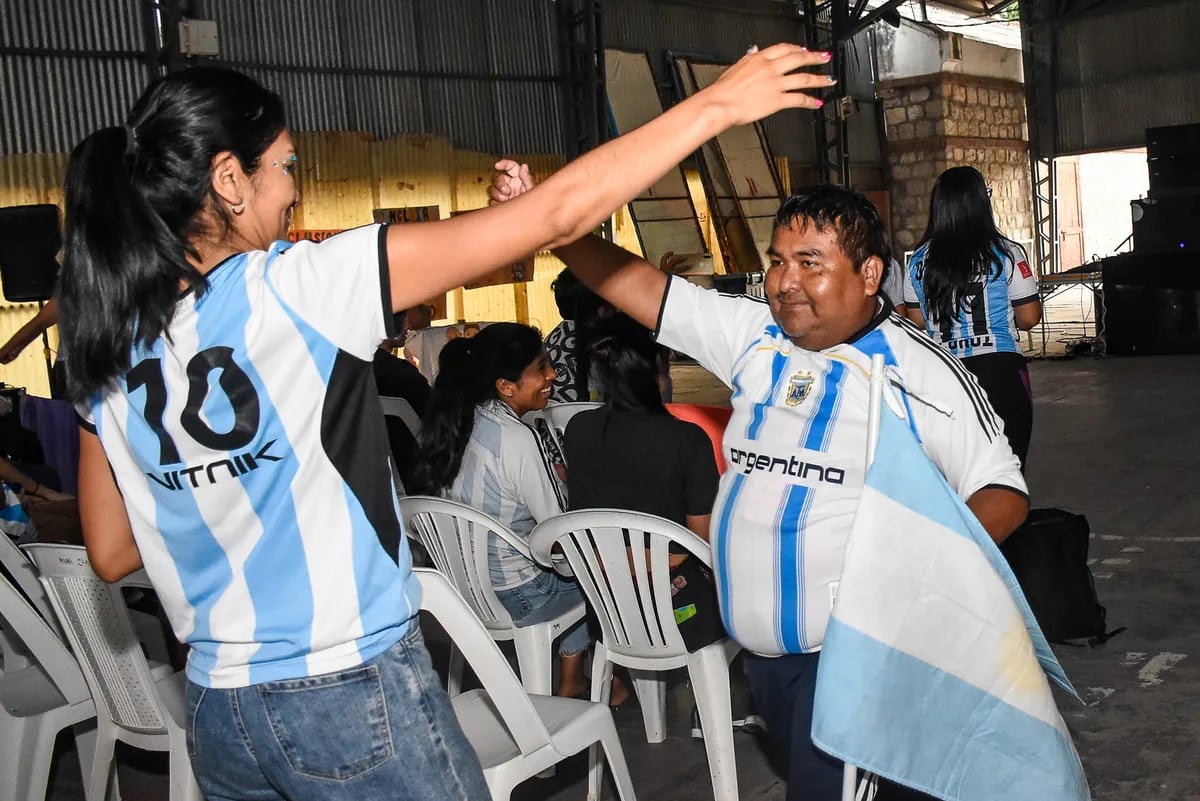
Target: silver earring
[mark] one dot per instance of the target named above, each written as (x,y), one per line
(239,207)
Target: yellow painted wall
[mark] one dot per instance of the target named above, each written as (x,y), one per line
(28,179)
(342,178)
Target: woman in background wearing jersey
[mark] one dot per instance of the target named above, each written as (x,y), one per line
(477,451)
(632,454)
(232,438)
(971,289)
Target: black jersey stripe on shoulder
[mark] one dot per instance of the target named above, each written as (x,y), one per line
(751,298)
(988,420)
(546,460)
(662,309)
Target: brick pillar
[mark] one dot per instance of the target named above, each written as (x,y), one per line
(944,120)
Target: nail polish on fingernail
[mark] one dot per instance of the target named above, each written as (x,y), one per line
(820,103)
(827,56)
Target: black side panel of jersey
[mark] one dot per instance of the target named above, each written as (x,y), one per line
(356,441)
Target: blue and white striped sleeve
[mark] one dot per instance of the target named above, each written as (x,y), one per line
(340,286)
(910,291)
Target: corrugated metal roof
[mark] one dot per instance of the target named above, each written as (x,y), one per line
(107,25)
(450,67)
(67,68)
(1102,102)
(48,104)
(716,32)
(723,33)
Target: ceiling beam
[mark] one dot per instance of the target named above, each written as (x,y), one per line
(866,21)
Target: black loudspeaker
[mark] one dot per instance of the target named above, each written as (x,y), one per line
(1166,225)
(1151,303)
(1173,158)
(29,245)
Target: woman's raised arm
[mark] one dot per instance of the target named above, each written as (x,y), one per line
(427,259)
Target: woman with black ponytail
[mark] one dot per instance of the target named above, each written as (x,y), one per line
(232,437)
(477,451)
(971,288)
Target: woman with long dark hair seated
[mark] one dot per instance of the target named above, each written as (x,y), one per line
(632,454)
(477,451)
(971,288)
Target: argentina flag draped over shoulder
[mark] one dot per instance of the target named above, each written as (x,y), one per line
(933,671)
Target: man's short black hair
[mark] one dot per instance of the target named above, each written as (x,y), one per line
(860,231)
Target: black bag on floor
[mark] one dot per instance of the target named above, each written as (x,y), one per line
(1049,555)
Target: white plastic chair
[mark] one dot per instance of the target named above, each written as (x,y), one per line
(148,628)
(132,707)
(456,538)
(515,734)
(402,409)
(638,624)
(557,415)
(24,575)
(40,697)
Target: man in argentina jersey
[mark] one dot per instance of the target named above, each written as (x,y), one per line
(251,452)
(989,325)
(798,364)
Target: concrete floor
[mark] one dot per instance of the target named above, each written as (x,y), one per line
(1114,439)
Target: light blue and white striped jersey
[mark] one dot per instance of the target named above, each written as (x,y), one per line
(987,324)
(796,449)
(506,474)
(250,448)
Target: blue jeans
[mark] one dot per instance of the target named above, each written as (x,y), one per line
(544,598)
(382,730)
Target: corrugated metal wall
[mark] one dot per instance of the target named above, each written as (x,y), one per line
(453,68)
(67,67)
(1120,70)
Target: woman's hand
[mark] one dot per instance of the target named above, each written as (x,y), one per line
(765,81)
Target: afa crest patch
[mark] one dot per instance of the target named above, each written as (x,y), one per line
(799,386)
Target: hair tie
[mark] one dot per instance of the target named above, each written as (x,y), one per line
(131,140)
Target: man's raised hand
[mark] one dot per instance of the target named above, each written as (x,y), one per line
(511,179)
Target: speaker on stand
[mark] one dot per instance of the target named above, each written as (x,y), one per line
(29,243)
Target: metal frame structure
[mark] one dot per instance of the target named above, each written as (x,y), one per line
(585,103)
(1044,176)
(1038,42)
(829,25)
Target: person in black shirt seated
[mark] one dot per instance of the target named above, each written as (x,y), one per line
(398,378)
(632,454)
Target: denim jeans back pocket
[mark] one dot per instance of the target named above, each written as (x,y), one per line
(333,726)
